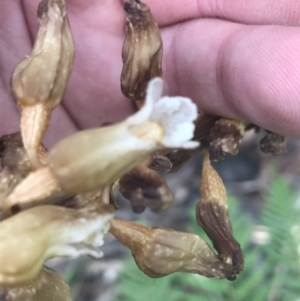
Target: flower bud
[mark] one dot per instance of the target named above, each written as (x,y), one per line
(142,51)
(39,81)
(225,138)
(212,216)
(159,251)
(273,143)
(143,187)
(48,286)
(33,236)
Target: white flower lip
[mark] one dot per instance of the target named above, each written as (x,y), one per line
(175,115)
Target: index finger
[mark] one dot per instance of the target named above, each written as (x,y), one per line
(256,12)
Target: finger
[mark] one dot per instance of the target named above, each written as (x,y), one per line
(238,71)
(259,12)
(93,95)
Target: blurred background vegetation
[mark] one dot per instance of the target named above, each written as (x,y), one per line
(264,207)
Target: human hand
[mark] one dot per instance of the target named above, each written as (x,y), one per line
(227,67)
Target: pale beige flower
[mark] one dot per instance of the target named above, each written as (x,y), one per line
(161,251)
(39,81)
(92,159)
(33,236)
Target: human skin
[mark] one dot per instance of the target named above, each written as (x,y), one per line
(238,59)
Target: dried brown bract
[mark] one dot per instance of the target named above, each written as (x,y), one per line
(14,155)
(180,157)
(39,81)
(142,51)
(159,251)
(143,187)
(48,286)
(212,216)
(160,163)
(273,143)
(224,138)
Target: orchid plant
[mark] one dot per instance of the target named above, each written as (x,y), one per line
(61,202)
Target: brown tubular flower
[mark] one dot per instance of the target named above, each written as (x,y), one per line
(143,187)
(159,251)
(224,138)
(48,286)
(142,51)
(212,216)
(33,236)
(273,143)
(39,81)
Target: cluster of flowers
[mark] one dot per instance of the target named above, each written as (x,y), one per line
(61,202)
